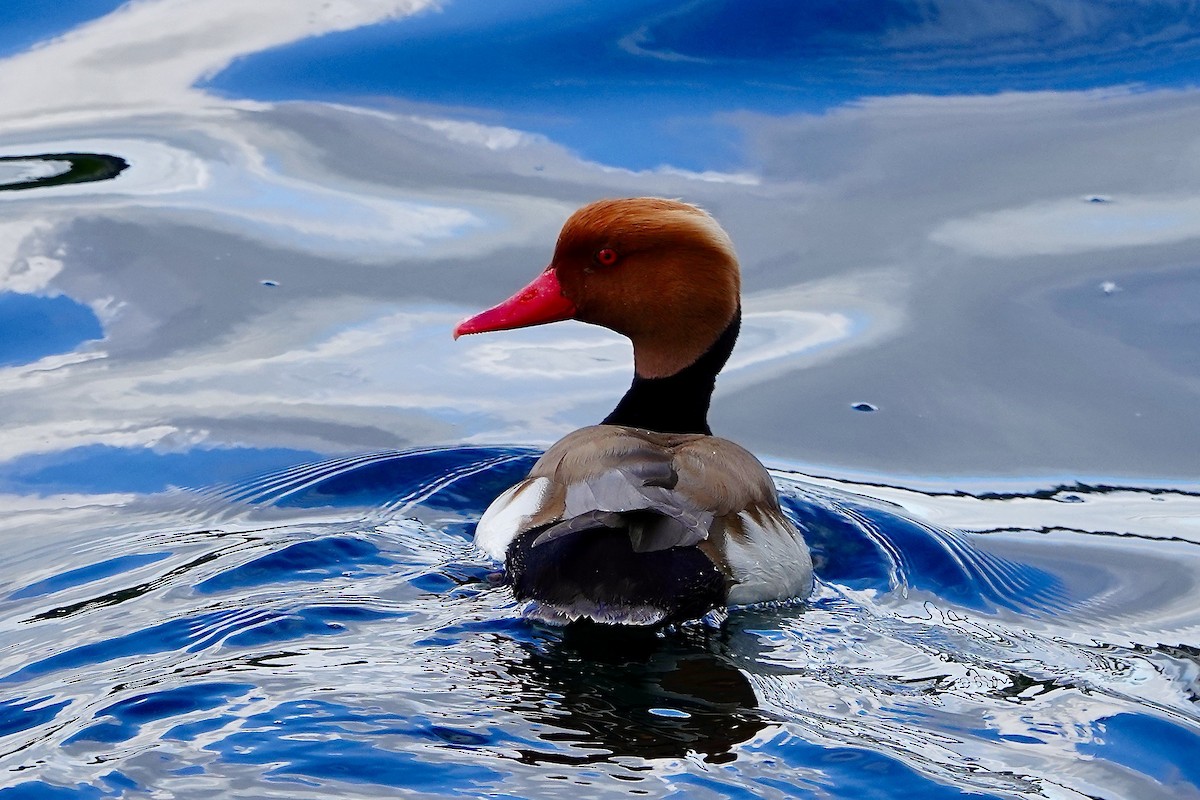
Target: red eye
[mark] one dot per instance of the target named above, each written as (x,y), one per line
(606,257)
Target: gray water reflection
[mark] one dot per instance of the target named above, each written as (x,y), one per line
(988,344)
(280,275)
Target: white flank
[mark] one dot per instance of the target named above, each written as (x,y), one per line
(508,515)
(770,563)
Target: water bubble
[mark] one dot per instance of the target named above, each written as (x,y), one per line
(269,282)
(867,407)
(1097,198)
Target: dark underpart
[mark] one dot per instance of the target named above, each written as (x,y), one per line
(677,403)
(597,570)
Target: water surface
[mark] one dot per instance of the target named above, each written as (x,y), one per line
(241,457)
(329,630)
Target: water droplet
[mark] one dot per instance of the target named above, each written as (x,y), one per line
(1097,198)
(269,283)
(1070,498)
(1108,287)
(868,407)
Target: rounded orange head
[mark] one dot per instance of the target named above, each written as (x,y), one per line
(661,272)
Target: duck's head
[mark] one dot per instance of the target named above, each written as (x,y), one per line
(661,272)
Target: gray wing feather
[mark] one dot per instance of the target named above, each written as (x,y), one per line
(612,498)
(662,533)
(592,519)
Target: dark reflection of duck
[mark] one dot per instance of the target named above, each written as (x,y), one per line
(646,518)
(626,693)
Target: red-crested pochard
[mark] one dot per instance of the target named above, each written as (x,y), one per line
(646,518)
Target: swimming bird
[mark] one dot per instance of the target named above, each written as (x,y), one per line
(646,518)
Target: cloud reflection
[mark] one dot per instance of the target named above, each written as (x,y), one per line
(1068,225)
(868,234)
(150,55)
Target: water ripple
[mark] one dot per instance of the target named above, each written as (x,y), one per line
(328,630)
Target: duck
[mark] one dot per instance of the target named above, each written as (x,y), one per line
(646,518)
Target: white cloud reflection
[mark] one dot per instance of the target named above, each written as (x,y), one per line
(241,189)
(150,54)
(20,171)
(23,271)
(1071,225)
(491,137)
(868,236)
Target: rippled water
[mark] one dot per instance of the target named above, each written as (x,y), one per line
(234,238)
(329,630)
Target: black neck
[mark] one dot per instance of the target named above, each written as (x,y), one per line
(677,403)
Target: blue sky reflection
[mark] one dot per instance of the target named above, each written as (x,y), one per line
(101,469)
(639,84)
(33,327)
(27,22)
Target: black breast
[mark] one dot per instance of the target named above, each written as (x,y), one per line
(596,573)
